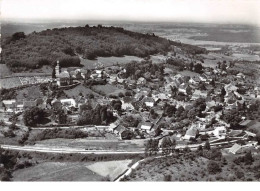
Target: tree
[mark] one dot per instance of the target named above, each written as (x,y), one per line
(223,92)
(33,116)
(121,94)
(248,158)
(167,145)
(18,36)
(53,74)
(151,147)
(198,68)
(207,145)
(62,117)
(191,66)
(167,177)
(258,138)
(213,167)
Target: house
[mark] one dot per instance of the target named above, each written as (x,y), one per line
(72,118)
(148,101)
(235,149)
(178,79)
(246,123)
(235,133)
(198,94)
(120,80)
(230,88)
(2,107)
(112,80)
(10,105)
(220,132)
(68,102)
(145,126)
(194,80)
(191,133)
(241,75)
(20,106)
(123,132)
(63,78)
(127,106)
(211,104)
(185,88)
(141,81)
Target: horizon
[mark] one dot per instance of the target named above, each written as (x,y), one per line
(141,11)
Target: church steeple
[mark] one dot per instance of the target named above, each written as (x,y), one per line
(57,68)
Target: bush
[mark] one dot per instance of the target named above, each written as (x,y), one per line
(167,177)
(213,167)
(9,134)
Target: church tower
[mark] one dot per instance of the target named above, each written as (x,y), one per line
(57,69)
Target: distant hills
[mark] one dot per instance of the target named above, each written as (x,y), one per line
(22,52)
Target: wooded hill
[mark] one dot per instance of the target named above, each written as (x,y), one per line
(22,52)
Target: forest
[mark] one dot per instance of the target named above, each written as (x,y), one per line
(22,52)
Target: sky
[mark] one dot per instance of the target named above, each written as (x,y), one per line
(209,11)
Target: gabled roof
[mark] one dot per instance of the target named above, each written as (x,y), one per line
(9,102)
(245,123)
(236,147)
(145,125)
(148,99)
(192,132)
(64,74)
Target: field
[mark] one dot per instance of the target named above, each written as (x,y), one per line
(57,171)
(74,92)
(29,93)
(10,82)
(4,71)
(108,61)
(96,144)
(111,169)
(107,89)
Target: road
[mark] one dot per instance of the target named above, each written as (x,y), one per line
(66,150)
(84,151)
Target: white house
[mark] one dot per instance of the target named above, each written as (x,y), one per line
(68,102)
(220,132)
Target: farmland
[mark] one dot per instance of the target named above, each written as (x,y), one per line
(93,144)
(57,171)
(107,61)
(10,82)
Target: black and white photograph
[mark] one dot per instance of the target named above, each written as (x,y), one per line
(130,91)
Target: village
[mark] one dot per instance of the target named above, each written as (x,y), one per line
(191,105)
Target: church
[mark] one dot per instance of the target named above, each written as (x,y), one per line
(63,78)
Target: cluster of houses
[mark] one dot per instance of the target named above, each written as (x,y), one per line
(144,99)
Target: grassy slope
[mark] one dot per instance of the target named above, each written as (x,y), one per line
(183,168)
